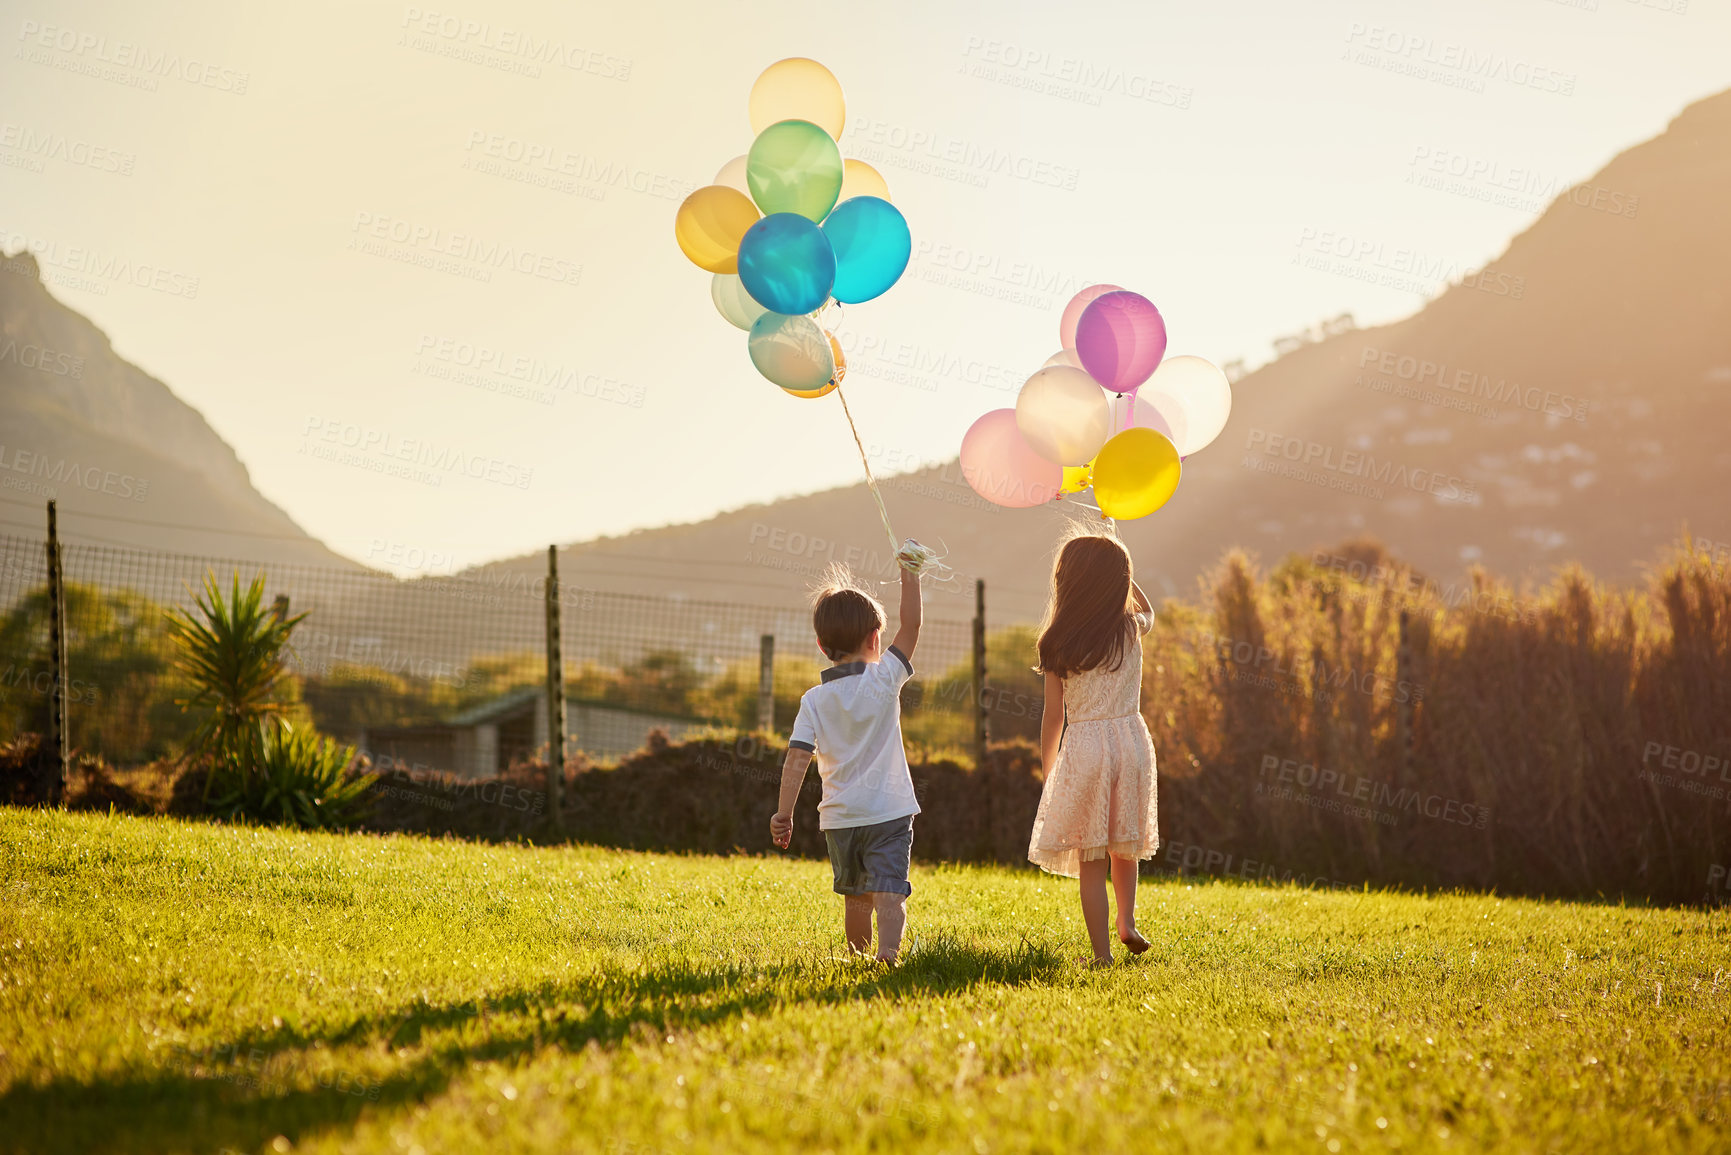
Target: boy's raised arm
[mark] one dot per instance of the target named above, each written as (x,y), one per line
(908,632)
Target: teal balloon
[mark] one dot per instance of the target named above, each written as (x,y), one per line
(786,264)
(872,246)
(794,167)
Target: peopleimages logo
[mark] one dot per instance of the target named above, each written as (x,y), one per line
(426,31)
(1456,64)
(1499,390)
(436,461)
(1398,267)
(1367,792)
(89,49)
(478,256)
(1360,466)
(1067,77)
(40,145)
(877,139)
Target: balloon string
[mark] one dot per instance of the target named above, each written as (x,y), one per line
(871,482)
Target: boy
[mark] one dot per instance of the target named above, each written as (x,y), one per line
(853,721)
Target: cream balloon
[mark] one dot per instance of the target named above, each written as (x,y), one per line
(732,301)
(1063,415)
(798,89)
(732,175)
(1200,391)
(792,352)
(1064,357)
(859,179)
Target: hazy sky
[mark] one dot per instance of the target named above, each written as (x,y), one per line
(313,196)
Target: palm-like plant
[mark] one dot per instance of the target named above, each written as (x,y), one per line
(231,651)
(302,779)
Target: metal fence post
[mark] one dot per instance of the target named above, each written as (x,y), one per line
(981,733)
(766,683)
(555,696)
(1403,682)
(57,719)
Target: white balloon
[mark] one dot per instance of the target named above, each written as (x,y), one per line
(1064,357)
(1199,391)
(732,175)
(1063,415)
(791,351)
(739,307)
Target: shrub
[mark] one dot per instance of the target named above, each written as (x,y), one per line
(231,654)
(300,779)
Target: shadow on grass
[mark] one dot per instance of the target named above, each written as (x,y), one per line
(182,1104)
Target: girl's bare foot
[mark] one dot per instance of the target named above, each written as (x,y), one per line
(1134,941)
(1095,963)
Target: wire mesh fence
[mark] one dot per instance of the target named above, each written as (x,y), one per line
(448,672)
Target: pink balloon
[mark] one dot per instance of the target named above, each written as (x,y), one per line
(1001,467)
(1120,338)
(1073,312)
(1146,414)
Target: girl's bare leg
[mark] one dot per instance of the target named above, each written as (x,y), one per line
(1094,909)
(858,921)
(892,917)
(1124,872)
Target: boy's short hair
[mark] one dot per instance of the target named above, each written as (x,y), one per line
(843,614)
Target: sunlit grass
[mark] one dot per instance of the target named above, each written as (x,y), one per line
(169,987)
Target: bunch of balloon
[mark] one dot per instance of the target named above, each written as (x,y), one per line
(791,226)
(1109,412)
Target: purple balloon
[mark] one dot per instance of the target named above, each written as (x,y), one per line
(1120,339)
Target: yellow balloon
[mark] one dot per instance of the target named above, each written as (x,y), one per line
(710,225)
(840,372)
(1135,474)
(1078,477)
(798,89)
(859,179)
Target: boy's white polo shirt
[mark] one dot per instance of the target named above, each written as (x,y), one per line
(852,721)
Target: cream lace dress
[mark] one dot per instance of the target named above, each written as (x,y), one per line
(1099,798)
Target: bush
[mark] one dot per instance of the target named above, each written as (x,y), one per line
(27,767)
(231,655)
(300,779)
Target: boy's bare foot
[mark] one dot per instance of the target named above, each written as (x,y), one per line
(1095,963)
(890,962)
(1134,941)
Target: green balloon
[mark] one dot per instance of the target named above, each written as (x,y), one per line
(794,167)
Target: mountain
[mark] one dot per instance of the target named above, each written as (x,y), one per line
(1564,403)
(127,462)
(1567,402)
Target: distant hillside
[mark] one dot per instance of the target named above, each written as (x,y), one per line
(1572,402)
(1566,403)
(126,460)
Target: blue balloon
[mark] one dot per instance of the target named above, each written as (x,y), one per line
(786,264)
(872,246)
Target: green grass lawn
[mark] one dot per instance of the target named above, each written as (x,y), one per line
(174,987)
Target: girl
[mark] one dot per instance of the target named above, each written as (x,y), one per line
(1098,801)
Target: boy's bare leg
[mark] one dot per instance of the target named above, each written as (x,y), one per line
(1124,872)
(892,917)
(858,921)
(1093,874)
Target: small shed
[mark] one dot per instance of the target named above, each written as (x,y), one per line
(483,740)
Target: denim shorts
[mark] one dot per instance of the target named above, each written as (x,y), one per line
(872,859)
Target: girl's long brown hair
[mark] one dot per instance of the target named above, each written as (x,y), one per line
(1087,623)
